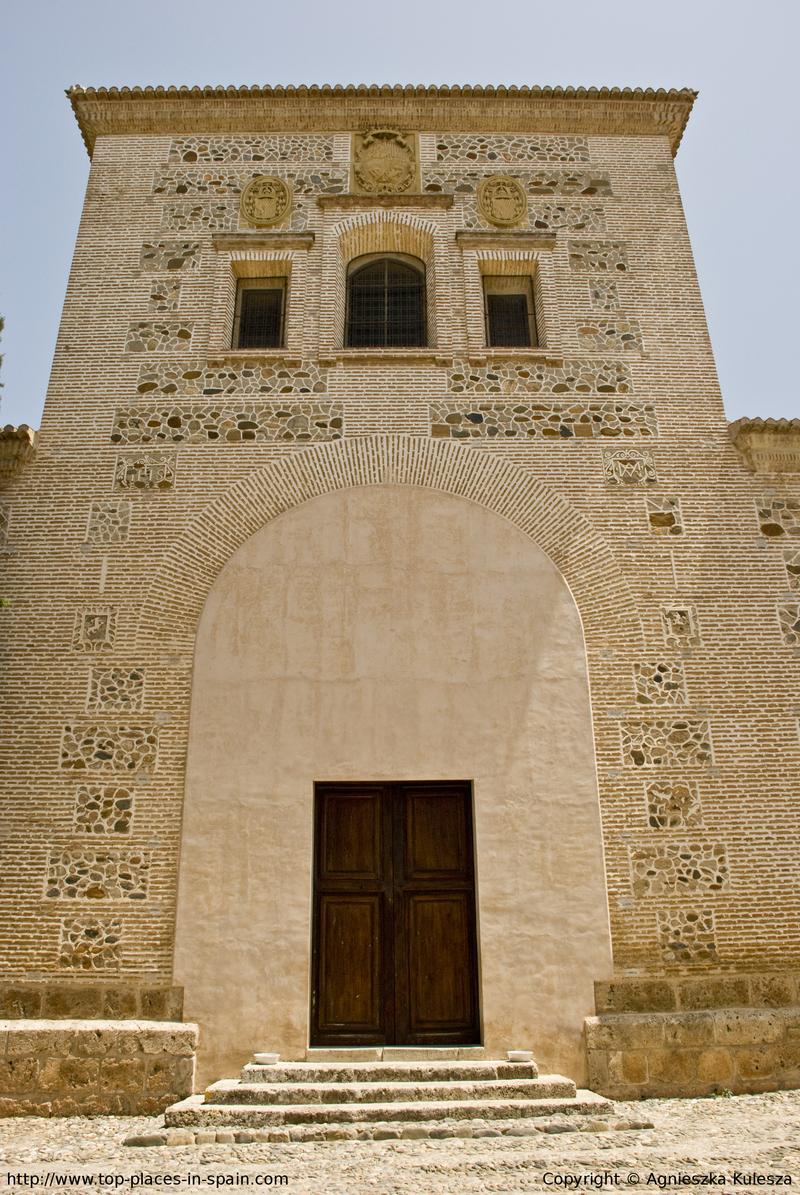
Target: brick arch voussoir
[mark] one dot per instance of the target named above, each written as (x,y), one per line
(177,593)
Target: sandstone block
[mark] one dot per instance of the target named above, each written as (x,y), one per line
(689,1029)
(675,1068)
(756,1062)
(640,995)
(627,1066)
(73,1002)
(122,1074)
(747,1026)
(713,992)
(626,1032)
(22,1002)
(772,991)
(715,1066)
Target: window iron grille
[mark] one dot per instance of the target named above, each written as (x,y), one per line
(386,306)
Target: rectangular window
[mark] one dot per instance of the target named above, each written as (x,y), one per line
(260,313)
(509,311)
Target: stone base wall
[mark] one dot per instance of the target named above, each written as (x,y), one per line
(693,993)
(87,1067)
(637,1055)
(56,1000)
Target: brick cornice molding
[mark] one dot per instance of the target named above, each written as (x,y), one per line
(637,111)
(767,445)
(17,447)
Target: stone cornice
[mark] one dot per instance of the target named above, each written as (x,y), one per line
(369,202)
(17,447)
(767,445)
(636,111)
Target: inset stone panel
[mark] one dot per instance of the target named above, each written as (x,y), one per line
(103,809)
(224,183)
(88,747)
(604,295)
(778,517)
(145,471)
(549,217)
(539,182)
(5,520)
(532,377)
(499,149)
(664,516)
(109,522)
(116,690)
(680,626)
(165,294)
(674,869)
(90,944)
(170,255)
(659,683)
(90,874)
(149,336)
(598,257)
(789,620)
(687,936)
(551,420)
(199,217)
(94,629)
(667,744)
(792,561)
(629,466)
(604,335)
(673,805)
(198,379)
(230,422)
(299,148)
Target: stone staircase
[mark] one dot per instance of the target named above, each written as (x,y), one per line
(408,1094)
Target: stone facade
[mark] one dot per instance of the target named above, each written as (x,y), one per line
(87,1068)
(166,459)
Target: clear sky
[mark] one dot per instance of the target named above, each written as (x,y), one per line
(738,164)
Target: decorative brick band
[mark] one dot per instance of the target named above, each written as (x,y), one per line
(229,422)
(499,150)
(551,420)
(539,377)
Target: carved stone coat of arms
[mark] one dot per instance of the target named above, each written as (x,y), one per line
(384,162)
(265,200)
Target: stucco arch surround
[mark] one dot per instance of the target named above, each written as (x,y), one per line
(242,935)
(177,593)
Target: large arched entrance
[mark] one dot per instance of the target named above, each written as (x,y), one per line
(389,633)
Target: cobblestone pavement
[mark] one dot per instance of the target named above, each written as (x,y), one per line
(747,1134)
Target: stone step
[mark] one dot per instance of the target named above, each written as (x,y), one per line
(386,1072)
(397,1054)
(194,1112)
(231,1091)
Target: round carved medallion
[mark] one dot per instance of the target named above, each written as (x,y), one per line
(265,200)
(502,200)
(384,163)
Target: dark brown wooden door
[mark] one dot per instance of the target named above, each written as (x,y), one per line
(394,943)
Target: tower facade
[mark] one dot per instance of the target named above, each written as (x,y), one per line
(402,647)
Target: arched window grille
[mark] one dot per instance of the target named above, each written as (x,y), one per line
(386,304)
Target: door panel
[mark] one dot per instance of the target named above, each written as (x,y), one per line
(394,940)
(435,835)
(350,932)
(439,970)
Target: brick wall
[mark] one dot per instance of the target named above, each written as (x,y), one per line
(618,420)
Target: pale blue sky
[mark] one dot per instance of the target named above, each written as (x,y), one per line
(737,164)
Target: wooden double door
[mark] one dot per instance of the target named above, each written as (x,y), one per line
(394,938)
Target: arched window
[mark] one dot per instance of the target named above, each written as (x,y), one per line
(386,303)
